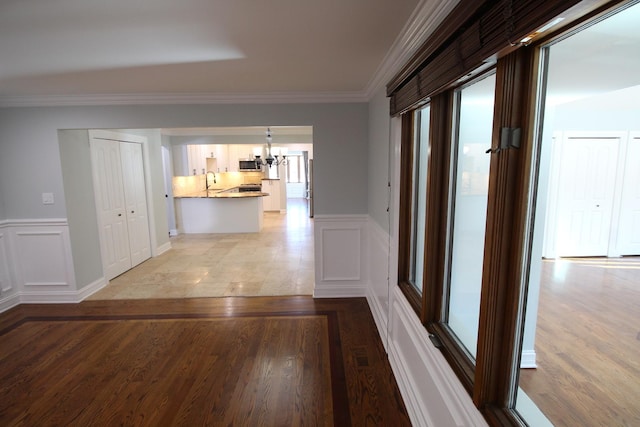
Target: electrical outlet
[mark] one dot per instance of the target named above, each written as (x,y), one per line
(47,198)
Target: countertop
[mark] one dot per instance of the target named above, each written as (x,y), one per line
(229,193)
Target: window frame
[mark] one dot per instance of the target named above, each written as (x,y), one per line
(492,381)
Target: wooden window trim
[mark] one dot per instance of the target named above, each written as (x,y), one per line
(406,203)
(492,379)
(472,33)
(437,197)
(500,321)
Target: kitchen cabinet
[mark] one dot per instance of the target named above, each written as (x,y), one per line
(221,153)
(272,201)
(196,155)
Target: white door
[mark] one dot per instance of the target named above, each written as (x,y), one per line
(135,202)
(112,219)
(629,224)
(586,194)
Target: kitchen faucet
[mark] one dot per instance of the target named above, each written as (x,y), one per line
(206,179)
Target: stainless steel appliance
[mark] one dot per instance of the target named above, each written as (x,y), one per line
(249,165)
(249,187)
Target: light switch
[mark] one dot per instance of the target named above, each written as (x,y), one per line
(47,198)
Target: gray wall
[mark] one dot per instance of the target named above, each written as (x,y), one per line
(30,158)
(75,156)
(378,156)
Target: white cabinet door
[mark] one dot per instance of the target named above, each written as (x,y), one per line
(272,201)
(197,159)
(629,223)
(135,202)
(109,192)
(222,157)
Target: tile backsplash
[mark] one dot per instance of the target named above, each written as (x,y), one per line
(186,185)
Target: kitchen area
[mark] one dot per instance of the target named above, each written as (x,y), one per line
(228,187)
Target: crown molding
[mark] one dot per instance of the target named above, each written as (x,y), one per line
(424,20)
(181,99)
(421,24)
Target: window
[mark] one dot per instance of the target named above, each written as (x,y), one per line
(467,212)
(419,185)
(469,239)
(295,168)
(416,153)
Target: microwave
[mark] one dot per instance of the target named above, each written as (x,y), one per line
(248,165)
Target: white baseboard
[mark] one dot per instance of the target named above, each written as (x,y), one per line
(528,359)
(9,302)
(339,290)
(173,232)
(163,248)
(91,289)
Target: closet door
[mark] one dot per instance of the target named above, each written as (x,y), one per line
(135,202)
(112,219)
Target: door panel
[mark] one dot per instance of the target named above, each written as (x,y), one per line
(135,202)
(586,194)
(629,224)
(107,176)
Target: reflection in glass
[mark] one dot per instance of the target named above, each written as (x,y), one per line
(576,307)
(419,184)
(469,209)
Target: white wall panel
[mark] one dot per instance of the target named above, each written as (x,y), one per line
(378,289)
(431,391)
(340,251)
(6,284)
(42,254)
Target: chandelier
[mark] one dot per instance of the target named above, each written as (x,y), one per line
(272,154)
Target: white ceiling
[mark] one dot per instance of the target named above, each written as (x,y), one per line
(234,47)
(602,58)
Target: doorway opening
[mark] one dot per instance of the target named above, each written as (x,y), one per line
(277,260)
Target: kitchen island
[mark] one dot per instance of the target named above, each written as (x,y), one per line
(220,211)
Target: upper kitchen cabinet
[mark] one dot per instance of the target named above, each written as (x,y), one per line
(237,152)
(221,153)
(197,155)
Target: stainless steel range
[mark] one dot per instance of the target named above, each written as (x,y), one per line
(249,187)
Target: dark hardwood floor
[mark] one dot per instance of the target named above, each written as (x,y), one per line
(262,361)
(588,343)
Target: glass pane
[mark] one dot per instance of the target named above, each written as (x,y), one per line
(577,366)
(294,170)
(420,163)
(471,181)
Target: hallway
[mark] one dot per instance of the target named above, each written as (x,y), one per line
(277,261)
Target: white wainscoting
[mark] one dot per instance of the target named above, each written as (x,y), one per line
(340,256)
(432,393)
(39,266)
(378,289)
(7,283)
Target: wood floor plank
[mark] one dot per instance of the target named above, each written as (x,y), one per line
(241,361)
(587,343)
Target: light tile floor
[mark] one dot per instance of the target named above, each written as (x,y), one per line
(276,261)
